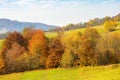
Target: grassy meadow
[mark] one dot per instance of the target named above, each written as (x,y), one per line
(1,44)
(110,72)
(99,28)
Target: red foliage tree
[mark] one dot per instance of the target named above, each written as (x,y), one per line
(55,52)
(13,47)
(13,53)
(11,38)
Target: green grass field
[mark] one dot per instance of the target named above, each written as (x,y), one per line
(99,28)
(1,44)
(50,34)
(110,72)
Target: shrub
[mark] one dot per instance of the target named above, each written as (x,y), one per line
(71,43)
(110,25)
(88,47)
(109,49)
(2,64)
(87,54)
(55,52)
(53,61)
(82,47)
(67,59)
(10,39)
(92,35)
(12,54)
(27,62)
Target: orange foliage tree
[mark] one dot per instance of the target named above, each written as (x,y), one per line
(27,34)
(2,64)
(88,52)
(38,46)
(55,53)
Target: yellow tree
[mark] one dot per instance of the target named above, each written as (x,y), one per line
(110,25)
(108,49)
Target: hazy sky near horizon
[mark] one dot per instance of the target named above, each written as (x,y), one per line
(57,12)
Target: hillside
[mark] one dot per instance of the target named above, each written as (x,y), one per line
(1,43)
(110,72)
(99,28)
(11,25)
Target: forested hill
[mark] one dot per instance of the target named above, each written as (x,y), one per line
(11,25)
(91,22)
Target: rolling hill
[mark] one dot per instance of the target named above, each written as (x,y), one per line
(7,25)
(109,72)
(99,28)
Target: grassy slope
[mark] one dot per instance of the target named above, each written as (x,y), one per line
(50,34)
(99,28)
(1,43)
(111,72)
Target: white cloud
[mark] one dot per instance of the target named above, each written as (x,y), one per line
(57,12)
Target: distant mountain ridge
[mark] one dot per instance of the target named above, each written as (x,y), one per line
(14,25)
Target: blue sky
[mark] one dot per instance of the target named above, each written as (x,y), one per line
(58,12)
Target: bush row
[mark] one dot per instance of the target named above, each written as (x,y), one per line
(31,50)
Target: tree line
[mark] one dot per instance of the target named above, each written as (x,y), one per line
(92,22)
(31,50)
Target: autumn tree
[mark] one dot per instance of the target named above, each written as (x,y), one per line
(67,59)
(107,18)
(90,40)
(55,52)
(27,34)
(87,54)
(12,47)
(110,25)
(117,17)
(53,61)
(92,22)
(38,46)
(71,43)
(27,62)
(10,39)
(2,64)
(92,35)
(108,49)
(82,47)
(13,53)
